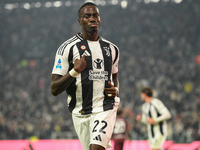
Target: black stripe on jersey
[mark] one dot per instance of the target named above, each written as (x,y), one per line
(87,85)
(152,132)
(72,88)
(63,46)
(108,102)
(160,123)
(116,54)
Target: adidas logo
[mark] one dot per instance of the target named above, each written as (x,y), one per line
(86,53)
(98,138)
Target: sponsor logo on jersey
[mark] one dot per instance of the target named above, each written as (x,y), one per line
(59,64)
(98,63)
(83,47)
(98,75)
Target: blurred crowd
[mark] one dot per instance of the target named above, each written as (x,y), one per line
(158,42)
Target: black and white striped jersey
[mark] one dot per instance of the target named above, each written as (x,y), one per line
(86,93)
(159,112)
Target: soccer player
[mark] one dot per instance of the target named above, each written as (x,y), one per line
(154,114)
(86,66)
(120,131)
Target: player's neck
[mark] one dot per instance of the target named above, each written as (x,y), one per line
(148,99)
(90,36)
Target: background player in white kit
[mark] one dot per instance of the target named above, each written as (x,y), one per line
(154,114)
(86,66)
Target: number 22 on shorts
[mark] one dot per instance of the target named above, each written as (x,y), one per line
(104,125)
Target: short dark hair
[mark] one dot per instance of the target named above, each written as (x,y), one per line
(148,91)
(86,4)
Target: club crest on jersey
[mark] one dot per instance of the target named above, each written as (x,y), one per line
(59,64)
(83,47)
(98,63)
(107,49)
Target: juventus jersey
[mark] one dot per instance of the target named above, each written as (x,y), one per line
(86,93)
(159,112)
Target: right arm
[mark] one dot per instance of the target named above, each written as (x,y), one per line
(60,83)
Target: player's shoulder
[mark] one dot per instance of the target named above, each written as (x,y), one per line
(65,46)
(109,42)
(156,101)
(144,105)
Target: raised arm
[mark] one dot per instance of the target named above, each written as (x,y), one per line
(61,83)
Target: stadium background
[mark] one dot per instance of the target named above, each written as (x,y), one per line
(159,41)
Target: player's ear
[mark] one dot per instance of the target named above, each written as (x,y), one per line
(79,21)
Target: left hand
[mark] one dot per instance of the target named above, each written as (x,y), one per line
(111,91)
(150,121)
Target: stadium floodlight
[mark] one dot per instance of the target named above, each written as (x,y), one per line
(155,1)
(177,1)
(8,6)
(68,3)
(27,6)
(48,4)
(124,4)
(57,3)
(114,2)
(89,1)
(103,3)
(38,5)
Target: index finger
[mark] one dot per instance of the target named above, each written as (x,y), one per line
(83,57)
(110,84)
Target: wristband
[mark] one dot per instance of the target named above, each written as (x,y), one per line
(116,88)
(73,73)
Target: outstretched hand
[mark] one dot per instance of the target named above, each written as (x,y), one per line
(111,91)
(80,64)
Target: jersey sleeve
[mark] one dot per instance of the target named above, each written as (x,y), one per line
(164,112)
(115,54)
(61,64)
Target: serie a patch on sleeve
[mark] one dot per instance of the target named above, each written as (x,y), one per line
(59,65)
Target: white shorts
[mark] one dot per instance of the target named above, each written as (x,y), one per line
(95,128)
(157,142)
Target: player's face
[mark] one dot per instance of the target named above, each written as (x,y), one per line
(143,96)
(90,19)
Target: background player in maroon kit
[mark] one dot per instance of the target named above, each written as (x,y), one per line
(120,131)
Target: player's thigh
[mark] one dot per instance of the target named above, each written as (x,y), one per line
(81,125)
(102,125)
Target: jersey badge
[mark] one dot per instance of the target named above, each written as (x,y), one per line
(83,47)
(59,64)
(107,51)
